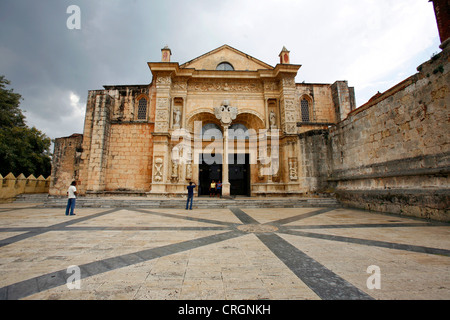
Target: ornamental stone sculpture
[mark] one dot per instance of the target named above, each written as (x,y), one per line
(225,113)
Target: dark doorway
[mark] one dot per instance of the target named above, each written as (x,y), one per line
(209,172)
(238,174)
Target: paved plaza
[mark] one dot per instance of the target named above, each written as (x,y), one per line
(220,254)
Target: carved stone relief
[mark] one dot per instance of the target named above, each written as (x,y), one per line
(174,169)
(163,80)
(225,113)
(273,119)
(271,86)
(241,86)
(288,82)
(159,164)
(176,118)
(289,119)
(293,169)
(179,86)
(189,171)
(162,115)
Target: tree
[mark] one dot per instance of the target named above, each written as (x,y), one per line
(22,149)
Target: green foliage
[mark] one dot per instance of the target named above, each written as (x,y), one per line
(22,149)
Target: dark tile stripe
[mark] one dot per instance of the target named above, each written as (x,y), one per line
(40,230)
(374,243)
(363,225)
(302,216)
(242,216)
(325,283)
(170,215)
(55,279)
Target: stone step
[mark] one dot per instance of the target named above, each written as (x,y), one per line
(32,198)
(199,203)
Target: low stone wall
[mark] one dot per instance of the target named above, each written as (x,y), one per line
(11,186)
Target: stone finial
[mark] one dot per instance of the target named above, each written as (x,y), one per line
(166,53)
(284,56)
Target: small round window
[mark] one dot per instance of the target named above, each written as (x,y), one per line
(225,66)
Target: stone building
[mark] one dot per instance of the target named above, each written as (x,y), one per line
(143,139)
(231,117)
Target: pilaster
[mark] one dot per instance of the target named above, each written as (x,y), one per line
(98,156)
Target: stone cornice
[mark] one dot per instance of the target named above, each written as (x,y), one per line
(173,68)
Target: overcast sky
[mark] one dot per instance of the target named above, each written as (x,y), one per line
(373,44)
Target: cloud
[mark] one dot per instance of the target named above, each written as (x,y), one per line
(371,43)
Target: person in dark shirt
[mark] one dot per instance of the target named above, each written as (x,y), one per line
(190,197)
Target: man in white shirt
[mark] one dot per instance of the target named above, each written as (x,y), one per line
(72,195)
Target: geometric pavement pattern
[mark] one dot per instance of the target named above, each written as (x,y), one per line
(324,282)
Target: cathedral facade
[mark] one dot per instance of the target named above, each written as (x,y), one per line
(229,117)
(223,116)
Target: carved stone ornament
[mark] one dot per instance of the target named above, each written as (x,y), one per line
(158,169)
(218,86)
(163,80)
(174,169)
(177,118)
(273,120)
(189,171)
(293,169)
(225,113)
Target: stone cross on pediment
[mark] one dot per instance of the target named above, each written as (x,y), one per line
(225,113)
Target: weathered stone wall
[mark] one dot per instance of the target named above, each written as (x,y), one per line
(393,154)
(343,98)
(315,155)
(115,141)
(130,158)
(65,163)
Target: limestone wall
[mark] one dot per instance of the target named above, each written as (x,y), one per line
(130,157)
(393,154)
(11,186)
(315,161)
(65,163)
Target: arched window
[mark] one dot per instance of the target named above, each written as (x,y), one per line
(142,109)
(211,131)
(238,131)
(305,110)
(225,66)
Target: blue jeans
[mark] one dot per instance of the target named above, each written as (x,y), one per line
(70,205)
(187,202)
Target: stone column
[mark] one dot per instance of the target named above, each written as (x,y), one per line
(225,181)
(226,114)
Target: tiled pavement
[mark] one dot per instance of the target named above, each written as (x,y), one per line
(220,254)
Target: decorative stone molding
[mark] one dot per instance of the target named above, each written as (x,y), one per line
(163,80)
(228,86)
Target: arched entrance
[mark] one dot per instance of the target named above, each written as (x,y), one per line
(211,164)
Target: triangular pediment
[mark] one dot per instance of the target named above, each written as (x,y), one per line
(238,59)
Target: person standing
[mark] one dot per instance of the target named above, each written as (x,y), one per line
(190,197)
(72,195)
(219,189)
(212,189)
